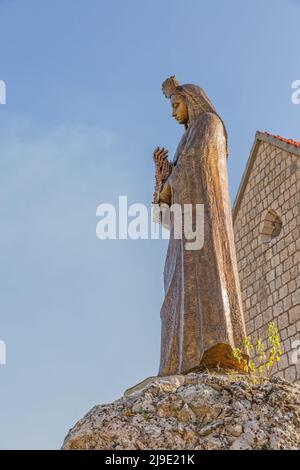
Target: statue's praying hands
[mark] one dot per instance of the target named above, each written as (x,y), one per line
(159,155)
(163,168)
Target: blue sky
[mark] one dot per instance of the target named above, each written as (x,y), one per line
(80,316)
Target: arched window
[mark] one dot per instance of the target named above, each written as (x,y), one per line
(270,227)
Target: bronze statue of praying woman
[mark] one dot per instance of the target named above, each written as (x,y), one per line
(202,317)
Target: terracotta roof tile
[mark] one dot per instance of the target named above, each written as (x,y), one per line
(288,141)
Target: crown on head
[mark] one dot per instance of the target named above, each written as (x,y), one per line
(169,86)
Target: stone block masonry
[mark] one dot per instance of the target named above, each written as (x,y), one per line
(269,266)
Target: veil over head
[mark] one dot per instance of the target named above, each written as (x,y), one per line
(197,100)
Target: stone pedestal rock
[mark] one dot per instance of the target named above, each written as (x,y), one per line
(196,411)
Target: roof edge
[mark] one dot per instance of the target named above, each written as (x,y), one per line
(259,137)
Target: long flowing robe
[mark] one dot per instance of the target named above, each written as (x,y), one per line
(202,318)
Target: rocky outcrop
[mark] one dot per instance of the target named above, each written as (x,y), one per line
(195,411)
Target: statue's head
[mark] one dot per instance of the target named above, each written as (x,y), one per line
(188,101)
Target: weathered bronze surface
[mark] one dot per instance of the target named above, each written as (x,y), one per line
(202,318)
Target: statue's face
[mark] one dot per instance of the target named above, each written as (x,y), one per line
(179,109)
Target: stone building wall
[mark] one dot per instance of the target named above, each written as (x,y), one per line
(270,271)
